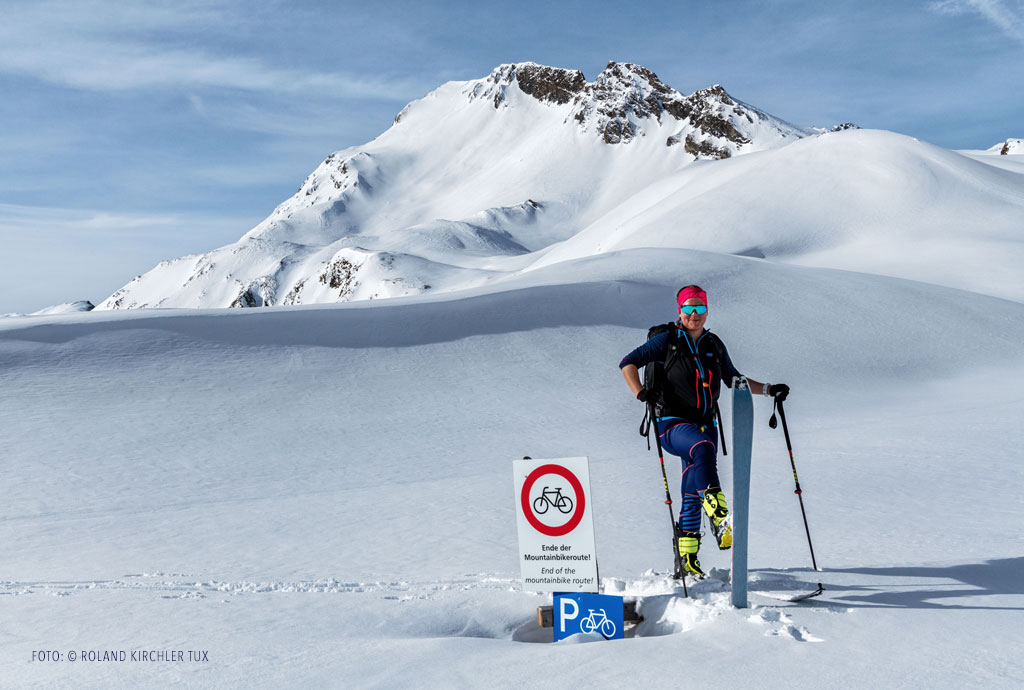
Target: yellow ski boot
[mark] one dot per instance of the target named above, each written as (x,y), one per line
(689,544)
(718,515)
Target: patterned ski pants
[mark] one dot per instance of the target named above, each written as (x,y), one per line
(698,448)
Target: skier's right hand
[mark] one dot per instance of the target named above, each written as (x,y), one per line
(642,395)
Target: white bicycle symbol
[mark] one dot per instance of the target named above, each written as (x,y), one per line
(599,623)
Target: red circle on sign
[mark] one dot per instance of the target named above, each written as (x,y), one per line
(524,498)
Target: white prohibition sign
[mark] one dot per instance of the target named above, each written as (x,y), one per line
(548,499)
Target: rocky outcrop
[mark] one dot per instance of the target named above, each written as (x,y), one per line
(623,97)
(704,149)
(258,293)
(706,110)
(340,275)
(550,84)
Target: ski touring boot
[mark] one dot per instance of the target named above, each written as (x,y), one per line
(689,544)
(719,517)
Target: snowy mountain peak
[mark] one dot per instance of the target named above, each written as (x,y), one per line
(471,182)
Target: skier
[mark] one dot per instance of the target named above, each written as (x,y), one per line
(695,364)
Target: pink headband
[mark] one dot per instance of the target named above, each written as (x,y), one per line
(690,293)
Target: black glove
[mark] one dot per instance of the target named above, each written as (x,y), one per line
(642,395)
(779,391)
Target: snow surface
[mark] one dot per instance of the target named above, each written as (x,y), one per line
(321,496)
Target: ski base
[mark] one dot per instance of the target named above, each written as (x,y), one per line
(803,596)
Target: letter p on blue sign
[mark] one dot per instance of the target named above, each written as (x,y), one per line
(590,614)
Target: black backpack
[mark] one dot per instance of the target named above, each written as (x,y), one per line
(654,373)
(653,378)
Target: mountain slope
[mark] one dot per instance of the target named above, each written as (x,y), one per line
(534,166)
(861,200)
(467,180)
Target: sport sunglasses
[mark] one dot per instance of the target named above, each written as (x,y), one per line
(693,309)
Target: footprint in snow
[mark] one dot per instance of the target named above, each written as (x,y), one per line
(786,627)
(800,634)
(770,616)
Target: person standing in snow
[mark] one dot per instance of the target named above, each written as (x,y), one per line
(695,363)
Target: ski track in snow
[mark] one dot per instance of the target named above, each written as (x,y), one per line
(660,599)
(187,586)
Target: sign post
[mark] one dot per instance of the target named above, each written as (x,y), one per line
(555,522)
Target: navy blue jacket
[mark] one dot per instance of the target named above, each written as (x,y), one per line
(693,373)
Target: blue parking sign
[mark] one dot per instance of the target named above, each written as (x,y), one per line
(587,613)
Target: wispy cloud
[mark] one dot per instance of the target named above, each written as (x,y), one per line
(21,220)
(54,255)
(308,118)
(1008,17)
(129,66)
(95,46)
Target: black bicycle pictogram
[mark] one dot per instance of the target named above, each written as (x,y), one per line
(552,498)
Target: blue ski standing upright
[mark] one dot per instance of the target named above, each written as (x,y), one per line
(742,442)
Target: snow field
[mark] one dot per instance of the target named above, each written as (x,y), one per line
(323,493)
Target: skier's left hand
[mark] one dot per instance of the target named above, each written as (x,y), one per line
(779,391)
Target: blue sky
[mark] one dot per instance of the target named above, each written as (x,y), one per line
(132,132)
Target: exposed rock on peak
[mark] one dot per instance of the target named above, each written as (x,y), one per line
(621,97)
(708,112)
(547,84)
(1012,146)
(626,101)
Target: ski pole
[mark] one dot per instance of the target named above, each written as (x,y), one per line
(679,574)
(799,492)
